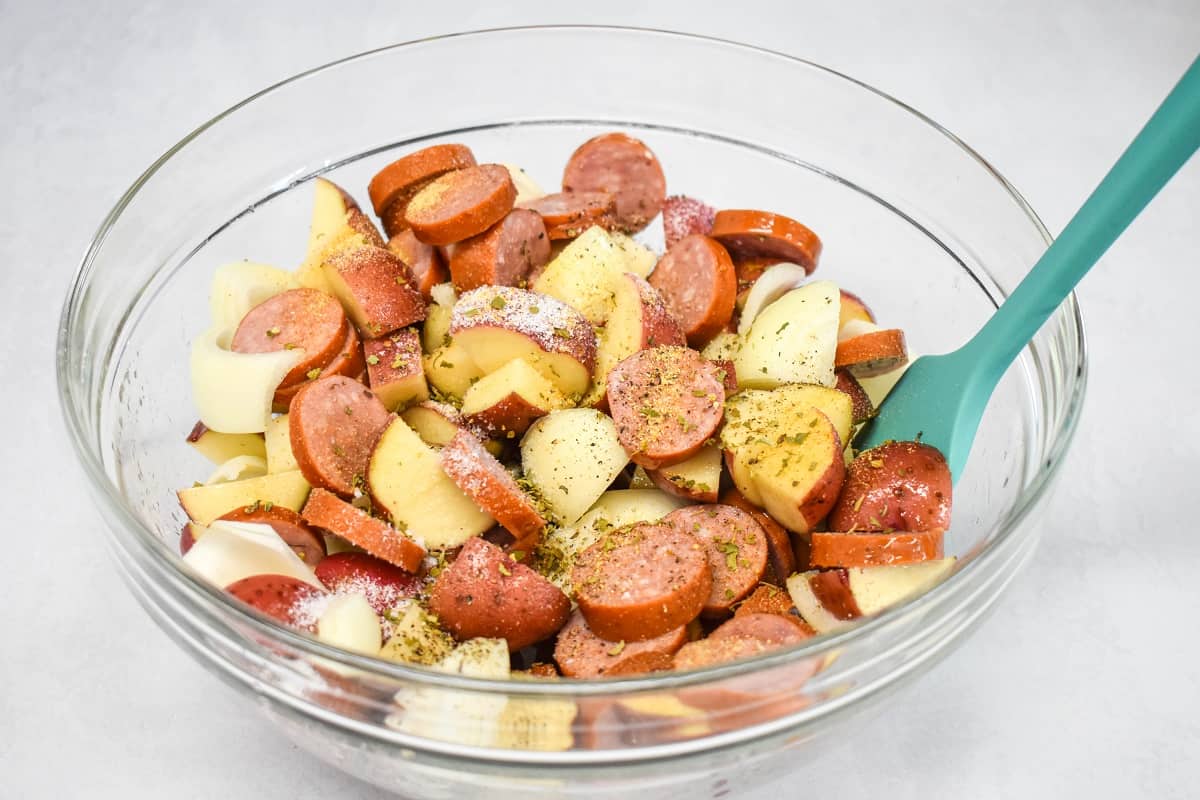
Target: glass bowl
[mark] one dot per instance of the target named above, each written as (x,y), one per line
(912,220)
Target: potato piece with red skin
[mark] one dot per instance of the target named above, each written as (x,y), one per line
(862,409)
(395,371)
(489,484)
(280,597)
(683,216)
(485,593)
(899,486)
(384,585)
(377,289)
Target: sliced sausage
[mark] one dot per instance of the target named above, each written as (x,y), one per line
(777,630)
(872,353)
(384,585)
(782,561)
(667,402)
(580,653)
(875,549)
(485,480)
(486,593)
(736,547)
(626,168)
(710,652)
(768,599)
(503,255)
(304,319)
(333,424)
(349,362)
(568,214)
(898,486)
(766,238)
(461,204)
(640,582)
(415,168)
(328,511)
(289,600)
(423,259)
(697,280)
(684,216)
(303,540)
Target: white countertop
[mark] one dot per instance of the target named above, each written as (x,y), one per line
(1085,682)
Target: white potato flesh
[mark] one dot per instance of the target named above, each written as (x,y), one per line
(350,623)
(571,457)
(204,504)
(280,457)
(585,273)
(879,588)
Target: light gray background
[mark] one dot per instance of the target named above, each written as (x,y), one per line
(1084,683)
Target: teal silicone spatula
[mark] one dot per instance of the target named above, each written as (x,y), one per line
(940,399)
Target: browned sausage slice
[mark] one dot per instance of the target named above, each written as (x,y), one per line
(461,204)
(640,582)
(709,652)
(667,402)
(423,259)
(768,599)
(872,353)
(404,175)
(486,481)
(777,630)
(348,361)
(580,653)
(684,216)
(782,561)
(761,236)
(327,510)
(626,168)
(486,593)
(333,424)
(503,255)
(304,319)
(568,214)
(697,280)
(288,524)
(736,547)
(899,486)
(875,549)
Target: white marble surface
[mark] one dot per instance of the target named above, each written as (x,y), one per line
(1084,683)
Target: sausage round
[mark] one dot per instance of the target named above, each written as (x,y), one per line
(326,510)
(875,549)
(405,175)
(333,424)
(461,204)
(782,559)
(349,362)
(872,353)
(640,582)
(764,237)
(486,593)
(899,486)
(568,214)
(626,168)
(666,402)
(709,652)
(697,280)
(423,259)
(305,319)
(303,540)
(736,547)
(776,630)
(580,653)
(504,255)
(684,216)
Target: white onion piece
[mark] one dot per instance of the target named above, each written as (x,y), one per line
(856,327)
(230,551)
(240,286)
(233,391)
(237,468)
(773,284)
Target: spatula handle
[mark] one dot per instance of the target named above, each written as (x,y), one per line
(1166,142)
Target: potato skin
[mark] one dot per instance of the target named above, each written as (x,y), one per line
(486,593)
(902,486)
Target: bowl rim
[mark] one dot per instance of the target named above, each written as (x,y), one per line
(106,492)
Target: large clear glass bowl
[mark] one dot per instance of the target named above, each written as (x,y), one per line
(911,218)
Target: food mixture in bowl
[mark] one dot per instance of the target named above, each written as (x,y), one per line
(510,439)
